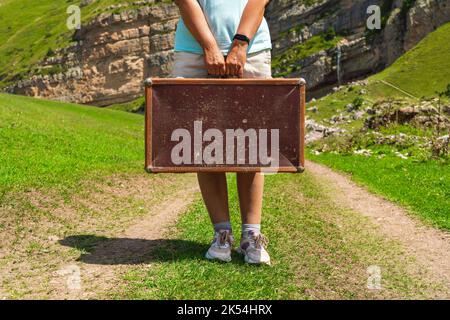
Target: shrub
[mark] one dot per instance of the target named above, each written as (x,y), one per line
(447,91)
(357,102)
(50,52)
(330,34)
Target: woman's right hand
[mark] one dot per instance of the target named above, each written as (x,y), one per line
(214,61)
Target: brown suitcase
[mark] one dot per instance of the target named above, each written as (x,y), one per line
(224,125)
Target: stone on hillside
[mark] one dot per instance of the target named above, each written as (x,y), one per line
(371,111)
(374,122)
(339,119)
(404,115)
(313,109)
(428,109)
(313,136)
(446,109)
(85,3)
(363,152)
(333,131)
(358,115)
(401,155)
(311,125)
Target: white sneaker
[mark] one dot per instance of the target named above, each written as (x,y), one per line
(253,247)
(221,247)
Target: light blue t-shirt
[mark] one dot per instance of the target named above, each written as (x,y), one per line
(223,17)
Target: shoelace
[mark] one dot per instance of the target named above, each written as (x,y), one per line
(224,237)
(261,241)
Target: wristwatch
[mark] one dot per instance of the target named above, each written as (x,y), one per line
(241,37)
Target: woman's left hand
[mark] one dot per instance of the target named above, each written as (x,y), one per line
(236,59)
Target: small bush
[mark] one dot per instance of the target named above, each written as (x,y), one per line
(447,91)
(358,102)
(330,34)
(50,52)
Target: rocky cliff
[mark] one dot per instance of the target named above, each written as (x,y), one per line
(326,42)
(112,56)
(358,52)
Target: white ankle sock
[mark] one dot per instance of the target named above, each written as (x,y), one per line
(250,227)
(222,226)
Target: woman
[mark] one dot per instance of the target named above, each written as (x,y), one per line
(227,38)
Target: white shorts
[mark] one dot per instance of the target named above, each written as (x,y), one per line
(190,65)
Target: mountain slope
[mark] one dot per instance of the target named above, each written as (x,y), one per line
(421,72)
(424,69)
(69,170)
(394,140)
(30,30)
(57,219)
(124,41)
(48,144)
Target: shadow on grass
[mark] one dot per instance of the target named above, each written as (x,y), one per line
(111,251)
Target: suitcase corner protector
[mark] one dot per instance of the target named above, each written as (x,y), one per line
(301,82)
(149,170)
(300,169)
(148,82)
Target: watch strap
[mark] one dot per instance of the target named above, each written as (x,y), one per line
(241,37)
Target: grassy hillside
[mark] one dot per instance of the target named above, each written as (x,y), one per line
(286,63)
(402,169)
(48,144)
(56,146)
(48,148)
(421,72)
(319,251)
(422,187)
(424,69)
(51,150)
(67,169)
(30,29)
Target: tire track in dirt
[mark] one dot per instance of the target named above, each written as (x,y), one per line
(428,245)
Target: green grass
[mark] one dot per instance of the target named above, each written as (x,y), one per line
(30,28)
(68,170)
(287,62)
(58,146)
(423,187)
(48,144)
(314,256)
(132,106)
(424,69)
(54,145)
(336,103)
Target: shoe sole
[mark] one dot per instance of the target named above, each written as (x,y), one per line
(210,257)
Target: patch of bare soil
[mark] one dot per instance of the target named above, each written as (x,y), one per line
(111,223)
(429,246)
(100,270)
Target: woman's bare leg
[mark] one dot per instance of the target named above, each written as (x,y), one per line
(250,189)
(215,195)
